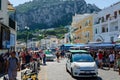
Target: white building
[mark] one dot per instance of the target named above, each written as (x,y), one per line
(49,43)
(7,27)
(107,24)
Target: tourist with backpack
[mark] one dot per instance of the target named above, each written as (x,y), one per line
(12,66)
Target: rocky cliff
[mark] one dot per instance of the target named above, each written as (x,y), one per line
(51,13)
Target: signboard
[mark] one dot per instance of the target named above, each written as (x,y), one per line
(12,39)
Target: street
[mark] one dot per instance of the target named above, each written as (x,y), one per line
(57,71)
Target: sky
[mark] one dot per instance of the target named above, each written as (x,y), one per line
(100,3)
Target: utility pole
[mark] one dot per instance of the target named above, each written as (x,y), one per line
(27,28)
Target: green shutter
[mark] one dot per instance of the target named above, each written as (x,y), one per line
(0,4)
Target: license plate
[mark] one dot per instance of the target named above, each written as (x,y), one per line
(87,71)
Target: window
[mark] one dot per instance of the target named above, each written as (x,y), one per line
(80,27)
(87,22)
(107,16)
(112,39)
(107,29)
(0,4)
(99,20)
(115,14)
(5,37)
(96,31)
(103,29)
(116,28)
(119,12)
(102,19)
(82,58)
(88,34)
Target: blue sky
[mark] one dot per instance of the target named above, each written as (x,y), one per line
(100,3)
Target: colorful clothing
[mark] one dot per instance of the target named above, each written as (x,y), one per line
(119,63)
(12,68)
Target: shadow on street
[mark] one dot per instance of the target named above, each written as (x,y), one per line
(91,78)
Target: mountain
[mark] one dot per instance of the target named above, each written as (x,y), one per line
(45,14)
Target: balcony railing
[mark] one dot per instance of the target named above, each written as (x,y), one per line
(12,23)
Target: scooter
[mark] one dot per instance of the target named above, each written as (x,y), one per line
(29,73)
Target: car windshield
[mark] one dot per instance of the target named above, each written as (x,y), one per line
(82,58)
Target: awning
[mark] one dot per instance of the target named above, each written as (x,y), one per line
(68,44)
(79,45)
(106,45)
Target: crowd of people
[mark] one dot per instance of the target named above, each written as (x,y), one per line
(109,58)
(15,61)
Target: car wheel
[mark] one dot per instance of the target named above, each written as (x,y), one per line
(66,69)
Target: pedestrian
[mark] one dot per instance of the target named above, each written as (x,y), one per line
(62,54)
(58,55)
(43,56)
(28,58)
(22,59)
(12,66)
(118,61)
(111,59)
(1,63)
(100,58)
(44,59)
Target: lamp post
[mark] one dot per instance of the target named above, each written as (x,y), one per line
(27,28)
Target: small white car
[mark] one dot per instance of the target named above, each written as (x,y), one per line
(81,64)
(50,57)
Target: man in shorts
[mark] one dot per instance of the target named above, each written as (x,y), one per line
(12,66)
(111,59)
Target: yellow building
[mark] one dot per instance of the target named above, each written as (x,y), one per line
(83,32)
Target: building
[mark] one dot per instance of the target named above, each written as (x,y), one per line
(74,26)
(50,42)
(107,24)
(83,29)
(7,27)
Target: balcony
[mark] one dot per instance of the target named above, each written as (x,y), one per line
(12,23)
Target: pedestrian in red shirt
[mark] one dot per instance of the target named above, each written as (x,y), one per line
(100,59)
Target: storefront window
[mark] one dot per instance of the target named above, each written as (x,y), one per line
(5,37)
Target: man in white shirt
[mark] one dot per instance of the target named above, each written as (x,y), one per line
(111,59)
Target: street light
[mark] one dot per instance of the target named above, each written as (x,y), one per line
(27,28)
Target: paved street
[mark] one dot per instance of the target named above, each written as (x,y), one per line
(57,71)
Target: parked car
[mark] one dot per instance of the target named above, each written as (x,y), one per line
(81,64)
(50,57)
